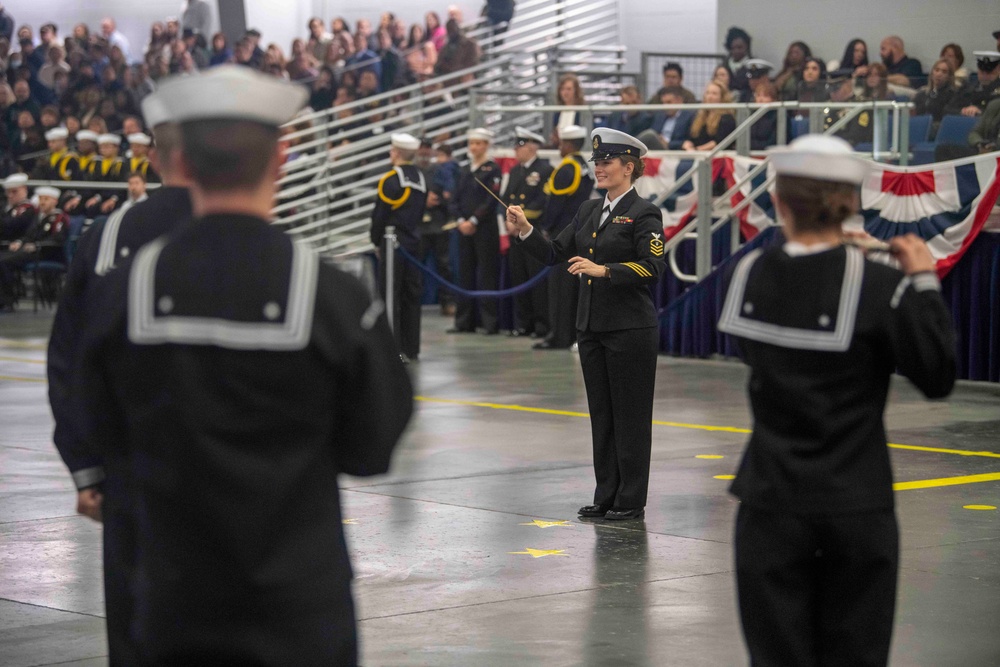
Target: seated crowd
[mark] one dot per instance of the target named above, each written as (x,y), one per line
(947,89)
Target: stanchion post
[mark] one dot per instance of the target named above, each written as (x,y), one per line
(389,256)
(703,244)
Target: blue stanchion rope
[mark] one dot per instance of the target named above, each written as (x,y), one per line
(475,294)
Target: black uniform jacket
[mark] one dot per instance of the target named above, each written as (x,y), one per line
(97,253)
(822,334)
(59,165)
(471,200)
(16,220)
(526,188)
(238,374)
(569,185)
(402,194)
(630,243)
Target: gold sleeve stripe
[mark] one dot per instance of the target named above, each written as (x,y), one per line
(638,268)
(569,189)
(394,203)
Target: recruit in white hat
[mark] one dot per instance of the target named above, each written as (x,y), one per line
(404,141)
(821,157)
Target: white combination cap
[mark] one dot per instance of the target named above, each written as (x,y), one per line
(15,181)
(821,157)
(154,110)
(46,191)
(480,133)
(57,133)
(610,143)
(571,132)
(758,66)
(139,138)
(406,142)
(109,139)
(523,135)
(232,92)
(86,135)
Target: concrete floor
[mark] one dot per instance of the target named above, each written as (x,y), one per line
(470,553)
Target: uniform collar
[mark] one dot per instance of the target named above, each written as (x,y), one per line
(617,200)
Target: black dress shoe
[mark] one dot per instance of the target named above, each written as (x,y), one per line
(622,515)
(592,510)
(517,333)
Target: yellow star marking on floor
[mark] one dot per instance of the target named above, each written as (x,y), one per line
(724,477)
(709,456)
(946,481)
(12,378)
(546,524)
(539,553)
(698,427)
(350,522)
(979,507)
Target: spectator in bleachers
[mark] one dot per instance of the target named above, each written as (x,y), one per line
(243,53)
(27,141)
(394,71)
(498,14)
(934,98)
(319,38)
(72,125)
(787,80)
(6,24)
(724,76)
(738,47)
(902,69)
(363,56)
(875,89)
(434,31)
(710,126)
(812,87)
(459,53)
(362,27)
(4,57)
(853,63)
(324,90)
(197,46)
(80,38)
(673,77)
(996,36)
(972,100)
(668,128)
(221,53)
(956,58)
(631,122)
(421,54)
(302,66)
(56,61)
(23,101)
(755,72)
(568,93)
(275,56)
(764,132)
(252,37)
(398,33)
(115,37)
(31,56)
(985,136)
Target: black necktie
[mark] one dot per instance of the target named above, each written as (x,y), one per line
(604,215)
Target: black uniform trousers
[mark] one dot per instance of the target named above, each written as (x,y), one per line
(619,370)
(408,290)
(119,542)
(531,308)
(816,590)
(564,293)
(479,269)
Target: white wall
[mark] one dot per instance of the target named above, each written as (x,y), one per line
(924,25)
(667,26)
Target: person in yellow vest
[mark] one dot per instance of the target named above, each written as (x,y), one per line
(60,164)
(138,161)
(108,169)
(86,152)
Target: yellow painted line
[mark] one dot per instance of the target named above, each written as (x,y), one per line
(8,342)
(23,361)
(698,427)
(959,452)
(984,508)
(946,481)
(12,378)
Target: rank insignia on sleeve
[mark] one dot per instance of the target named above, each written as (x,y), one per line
(656,245)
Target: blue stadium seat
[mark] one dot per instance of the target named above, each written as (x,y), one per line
(953,130)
